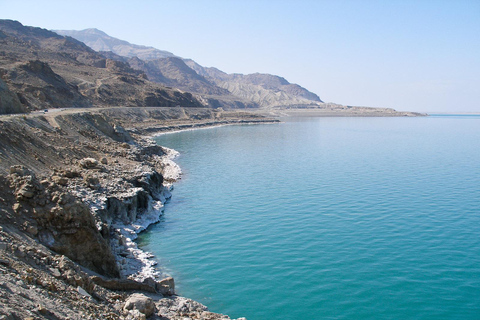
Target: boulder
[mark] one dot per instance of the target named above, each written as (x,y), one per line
(166,286)
(89,163)
(140,302)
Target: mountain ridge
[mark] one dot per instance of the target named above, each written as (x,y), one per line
(40,69)
(101,41)
(260,90)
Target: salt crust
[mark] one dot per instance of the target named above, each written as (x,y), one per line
(133,262)
(138,264)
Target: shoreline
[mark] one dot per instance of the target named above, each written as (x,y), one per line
(340,112)
(172,173)
(81,185)
(81,189)
(204,125)
(143,264)
(211,126)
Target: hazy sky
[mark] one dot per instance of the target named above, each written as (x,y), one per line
(421,55)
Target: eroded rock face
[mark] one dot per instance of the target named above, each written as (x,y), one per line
(166,286)
(61,221)
(9,102)
(37,85)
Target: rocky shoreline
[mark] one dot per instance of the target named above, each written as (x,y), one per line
(76,188)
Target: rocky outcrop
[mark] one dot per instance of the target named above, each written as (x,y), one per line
(39,87)
(9,101)
(39,284)
(36,283)
(180,308)
(74,197)
(165,286)
(60,221)
(141,303)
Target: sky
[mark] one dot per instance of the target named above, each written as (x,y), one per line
(421,55)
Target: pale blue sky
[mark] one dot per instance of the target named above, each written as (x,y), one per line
(419,55)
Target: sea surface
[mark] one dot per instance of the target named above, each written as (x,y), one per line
(327,218)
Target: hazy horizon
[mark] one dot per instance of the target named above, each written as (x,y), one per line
(408,55)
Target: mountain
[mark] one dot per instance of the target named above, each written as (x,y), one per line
(215,86)
(100,41)
(174,72)
(264,89)
(40,69)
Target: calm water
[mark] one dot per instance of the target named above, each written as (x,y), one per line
(327,218)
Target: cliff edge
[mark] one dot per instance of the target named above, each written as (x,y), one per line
(76,187)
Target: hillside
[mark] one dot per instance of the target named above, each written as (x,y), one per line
(174,72)
(264,89)
(40,69)
(100,41)
(254,90)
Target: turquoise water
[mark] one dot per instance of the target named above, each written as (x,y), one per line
(327,218)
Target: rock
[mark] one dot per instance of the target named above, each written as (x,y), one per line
(32,230)
(25,193)
(89,163)
(20,170)
(83,292)
(20,252)
(55,272)
(71,173)
(92,181)
(42,310)
(166,286)
(17,207)
(65,263)
(60,180)
(122,284)
(140,302)
(137,315)
(104,160)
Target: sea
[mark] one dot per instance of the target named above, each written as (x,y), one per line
(327,218)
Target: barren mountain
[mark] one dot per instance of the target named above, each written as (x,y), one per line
(100,41)
(174,72)
(40,69)
(215,86)
(264,89)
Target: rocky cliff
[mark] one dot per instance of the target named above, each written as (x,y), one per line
(76,186)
